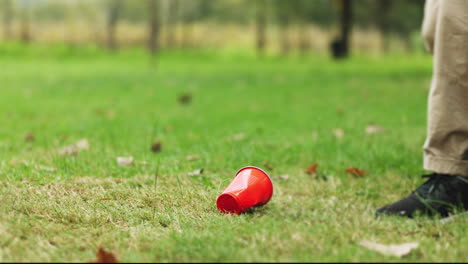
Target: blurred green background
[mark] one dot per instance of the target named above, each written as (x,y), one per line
(338,27)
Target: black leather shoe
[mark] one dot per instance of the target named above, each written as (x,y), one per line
(440,195)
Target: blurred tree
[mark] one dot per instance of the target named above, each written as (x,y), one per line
(284,13)
(261,25)
(52,11)
(302,11)
(7,6)
(382,12)
(340,46)
(171,24)
(405,18)
(25,21)
(114,12)
(399,18)
(154,25)
(187,15)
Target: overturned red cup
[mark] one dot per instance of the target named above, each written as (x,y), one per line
(251,187)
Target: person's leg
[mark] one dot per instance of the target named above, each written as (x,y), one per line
(446,146)
(445,30)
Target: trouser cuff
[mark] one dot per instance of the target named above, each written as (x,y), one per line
(446,165)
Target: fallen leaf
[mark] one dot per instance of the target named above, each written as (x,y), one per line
(192,158)
(74,149)
(373,129)
(238,137)
(104,199)
(267,165)
(452,217)
(29,137)
(399,250)
(125,161)
(339,111)
(43,168)
(70,150)
(338,133)
(195,172)
(109,114)
(185,98)
(312,169)
(15,162)
(82,144)
(103,256)
(283,177)
(156,147)
(356,171)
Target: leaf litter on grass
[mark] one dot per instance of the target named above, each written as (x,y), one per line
(195,172)
(75,149)
(396,250)
(373,129)
(338,133)
(267,165)
(356,172)
(29,137)
(192,157)
(125,161)
(312,169)
(156,147)
(103,256)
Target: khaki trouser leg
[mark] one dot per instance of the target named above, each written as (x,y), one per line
(445,30)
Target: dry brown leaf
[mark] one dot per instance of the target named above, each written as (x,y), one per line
(105,199)
(23,162)
(103,256)
(267,165)
(195,172)
(192,157)
(43,168)
(185,98)
(125,161)
(373,129)
(69,150)
(74,149)
(356,171)
(156,147)
(29,137)
(312,169)
(238,137)
(283,177)
(397,250)
(82,144)
(339,111)
(107,113)
(338,133)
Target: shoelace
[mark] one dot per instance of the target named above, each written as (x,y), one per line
(435,180)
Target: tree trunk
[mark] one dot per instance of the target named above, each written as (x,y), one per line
(171,26)
(304,41)
(261,20)
(382,20)
(7,19)
(112,20)
(283,33)
(346,23)
(25,26)
(154,26)
(340,47)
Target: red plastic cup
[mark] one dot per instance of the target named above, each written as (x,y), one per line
(251,187)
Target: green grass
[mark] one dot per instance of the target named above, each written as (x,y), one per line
(284,110)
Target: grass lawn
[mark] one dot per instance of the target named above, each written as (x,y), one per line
(275,113)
